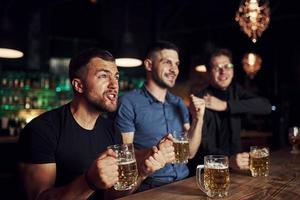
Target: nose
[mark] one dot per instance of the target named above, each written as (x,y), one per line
(113,83)
(174,68)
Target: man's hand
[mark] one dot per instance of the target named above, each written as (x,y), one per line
(154,162)
(103,172)
(197,107)
(239,161)
(165,146)
(213,103)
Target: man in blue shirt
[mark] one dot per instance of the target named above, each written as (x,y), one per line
(148,114)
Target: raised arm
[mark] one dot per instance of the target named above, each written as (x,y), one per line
(242,102)
(197,109)
(247,102)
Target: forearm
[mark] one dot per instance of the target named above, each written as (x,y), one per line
(195,136)
(78,189)
(250,106)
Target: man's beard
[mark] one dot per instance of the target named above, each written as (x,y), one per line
(161,82)
(100,106)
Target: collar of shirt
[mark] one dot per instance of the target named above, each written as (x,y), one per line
(170,98)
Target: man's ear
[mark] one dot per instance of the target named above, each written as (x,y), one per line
(77,85)
(148,65)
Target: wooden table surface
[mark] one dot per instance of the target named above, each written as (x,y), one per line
(282,183)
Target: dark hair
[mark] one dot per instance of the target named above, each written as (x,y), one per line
(79,62)
(215,53)
(158,46)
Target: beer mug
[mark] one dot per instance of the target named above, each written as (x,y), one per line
(127,167)
(216,176)
(259,161)
(181,147)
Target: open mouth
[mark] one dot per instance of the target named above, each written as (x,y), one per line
(112,96)
(222,78)
(171,77)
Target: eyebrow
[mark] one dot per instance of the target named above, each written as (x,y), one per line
(177,62)
(106,71)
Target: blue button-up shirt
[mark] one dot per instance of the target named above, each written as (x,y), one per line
(151,120)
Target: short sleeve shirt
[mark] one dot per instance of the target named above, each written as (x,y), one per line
(151,120)
(55,137)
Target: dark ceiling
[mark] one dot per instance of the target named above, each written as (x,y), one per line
(60,28)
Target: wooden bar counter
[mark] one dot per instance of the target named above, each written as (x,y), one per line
(282,183)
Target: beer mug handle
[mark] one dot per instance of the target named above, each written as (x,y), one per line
(198,178)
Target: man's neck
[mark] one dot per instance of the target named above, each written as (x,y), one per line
(158,92)
(83,114)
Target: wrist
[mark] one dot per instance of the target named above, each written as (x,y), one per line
(89,182)
(225,106)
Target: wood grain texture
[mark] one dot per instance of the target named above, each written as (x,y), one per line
(282,183)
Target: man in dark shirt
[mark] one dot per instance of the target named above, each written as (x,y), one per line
(225,102)
(63,152)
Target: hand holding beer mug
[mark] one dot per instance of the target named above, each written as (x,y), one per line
(181,147)
(216,176)
(294,139)
(259,161)
(127,166)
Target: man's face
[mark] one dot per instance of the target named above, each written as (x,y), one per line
(221,72)
(165,68)
(101,85)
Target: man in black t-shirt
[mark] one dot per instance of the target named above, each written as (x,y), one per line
(63,152)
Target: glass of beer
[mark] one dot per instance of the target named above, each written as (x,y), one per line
(127,167)
(216,176)
(294,139)
(259,161)
(181,147)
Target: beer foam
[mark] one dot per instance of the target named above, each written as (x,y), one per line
(259,153)
(181,141)
(125,162)
(216,165)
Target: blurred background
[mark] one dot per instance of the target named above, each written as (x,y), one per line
(50,32)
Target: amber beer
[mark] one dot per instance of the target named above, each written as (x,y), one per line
(216,178)
(181,149)
(127,167)
(128,175)
(259,161)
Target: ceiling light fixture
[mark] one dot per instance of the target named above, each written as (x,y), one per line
(201,68)
(10,53)
(254,17)
(251,64)
(128,62)
(128,55)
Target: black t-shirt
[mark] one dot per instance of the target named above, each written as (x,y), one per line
(55,137)
(222,123)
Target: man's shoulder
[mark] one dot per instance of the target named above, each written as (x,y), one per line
(132,96)
(49,117)
(173,97)
(203,91)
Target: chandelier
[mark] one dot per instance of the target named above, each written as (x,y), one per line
(254,17)
(251,64)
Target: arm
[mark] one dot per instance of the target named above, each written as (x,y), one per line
(197,109)
(247,103)
(39,179)
(253,105)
